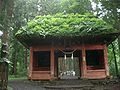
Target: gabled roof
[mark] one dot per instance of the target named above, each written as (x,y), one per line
(61,27)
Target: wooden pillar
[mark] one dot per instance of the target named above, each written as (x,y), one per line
(31,63)
(106,60)
(84,67)
(52,65)
(55,66)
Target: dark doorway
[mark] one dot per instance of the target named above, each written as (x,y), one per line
(95,59)
(41,61)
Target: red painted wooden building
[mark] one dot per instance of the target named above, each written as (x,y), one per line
(68,57)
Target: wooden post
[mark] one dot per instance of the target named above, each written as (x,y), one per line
(55,66)
(26,55)
(52,64)
(31,63)
(106,60)
(83,62)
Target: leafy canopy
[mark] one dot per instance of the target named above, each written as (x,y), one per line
(65,25)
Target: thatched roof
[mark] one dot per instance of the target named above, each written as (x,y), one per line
(60,26)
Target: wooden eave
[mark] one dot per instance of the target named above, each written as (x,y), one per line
(77,40)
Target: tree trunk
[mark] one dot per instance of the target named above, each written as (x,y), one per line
(4,61)
(4,75)
(14,61)
(5,17)
(119,44)
(115,60)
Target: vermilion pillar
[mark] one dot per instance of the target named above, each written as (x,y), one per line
(52,66)
(84,68)
(106,60)
(31,63)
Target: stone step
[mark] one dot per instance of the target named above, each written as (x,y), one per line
(70,82)
(62,87)
(69,77)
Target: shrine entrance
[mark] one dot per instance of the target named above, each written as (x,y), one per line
(69,64)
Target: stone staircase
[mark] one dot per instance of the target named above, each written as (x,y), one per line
(69,85)
(78,84)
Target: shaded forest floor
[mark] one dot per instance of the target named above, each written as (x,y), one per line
(111,84)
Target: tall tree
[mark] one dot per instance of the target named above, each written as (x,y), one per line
(5,18)
(112,8)
(76,6)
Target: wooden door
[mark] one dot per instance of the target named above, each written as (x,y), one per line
(68,68)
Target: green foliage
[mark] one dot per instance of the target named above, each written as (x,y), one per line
(17,77)
(76,6)
(66,25)
(9,88)
(111,58)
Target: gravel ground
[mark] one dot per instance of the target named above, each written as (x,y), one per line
(56,85)
(24,85)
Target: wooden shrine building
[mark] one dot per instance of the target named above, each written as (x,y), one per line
(70,46)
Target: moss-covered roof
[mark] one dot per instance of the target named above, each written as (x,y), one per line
(64,25)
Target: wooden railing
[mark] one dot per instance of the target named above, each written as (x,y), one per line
(41,75)
(96,74)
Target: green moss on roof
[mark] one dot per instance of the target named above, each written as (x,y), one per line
(67,25)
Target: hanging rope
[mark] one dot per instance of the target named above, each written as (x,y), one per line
(66,53)
(72,56)
(65,57)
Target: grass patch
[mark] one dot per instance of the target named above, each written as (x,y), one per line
(9,88)
(16,77)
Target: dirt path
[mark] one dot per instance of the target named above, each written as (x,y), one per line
(65,85)
(24,85)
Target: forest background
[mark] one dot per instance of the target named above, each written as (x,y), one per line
(14,14)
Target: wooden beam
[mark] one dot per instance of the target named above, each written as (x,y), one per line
(42,48)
